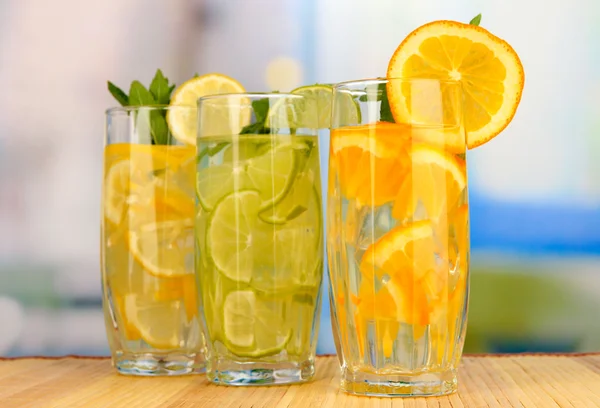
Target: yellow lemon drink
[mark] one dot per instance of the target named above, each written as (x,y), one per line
(148,249)
(150,293)
(260,253)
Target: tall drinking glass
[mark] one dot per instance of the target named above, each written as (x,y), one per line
(398,236)
(259,236)
(148,282)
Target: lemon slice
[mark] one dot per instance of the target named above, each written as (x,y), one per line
(183,289)
(160,325)
(183,123)
(116,191)
(488,68)
(129,329)
(165,248)
(148,182)
(231,235)
(252,327)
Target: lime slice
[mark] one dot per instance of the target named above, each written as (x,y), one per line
(294,204)
(183,122)
(166,248)
(302,311)
(245,149)
(215,182)
(252,327)
(295,113)
(238,319)
(231,235)
(272,173)
(290,254)
(323,95)
(291,113)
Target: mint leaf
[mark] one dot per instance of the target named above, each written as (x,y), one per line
(159,87)
(385,113)
(257,128)
(476,20)
(261,109)
(139,95)
(159,127)
(118,93)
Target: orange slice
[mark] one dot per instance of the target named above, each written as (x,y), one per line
(434,183)
(488,68)
(401,259)
(370,160)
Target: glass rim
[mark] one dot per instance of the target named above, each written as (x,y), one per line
(127,109)
(251,95)
(380,80)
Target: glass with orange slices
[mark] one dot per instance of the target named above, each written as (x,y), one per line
(398,210)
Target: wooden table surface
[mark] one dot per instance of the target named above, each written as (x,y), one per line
(543,381)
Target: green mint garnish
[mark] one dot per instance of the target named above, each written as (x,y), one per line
(139,95)
(118,94)
(159,93)
(385,113)
(476,20)
(160,89)
(261,110)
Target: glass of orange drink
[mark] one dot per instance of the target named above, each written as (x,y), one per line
(398,208)
(398,239)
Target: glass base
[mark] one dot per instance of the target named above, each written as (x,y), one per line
(228,372)
(152,364)
(388,385)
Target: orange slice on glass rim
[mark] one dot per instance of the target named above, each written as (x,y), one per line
(488,68)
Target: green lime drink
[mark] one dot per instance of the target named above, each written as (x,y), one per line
(260,255)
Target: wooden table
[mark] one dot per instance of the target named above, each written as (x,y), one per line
(543,381)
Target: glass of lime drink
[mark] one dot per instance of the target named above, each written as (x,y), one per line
(259,236)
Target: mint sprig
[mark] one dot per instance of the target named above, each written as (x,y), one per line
(160,89)
(118,94)
(159,93)
(385,112)
(476,20)
(261,110)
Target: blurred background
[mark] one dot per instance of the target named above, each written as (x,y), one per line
(535,191)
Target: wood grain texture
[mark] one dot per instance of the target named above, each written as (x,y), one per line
(543,381)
